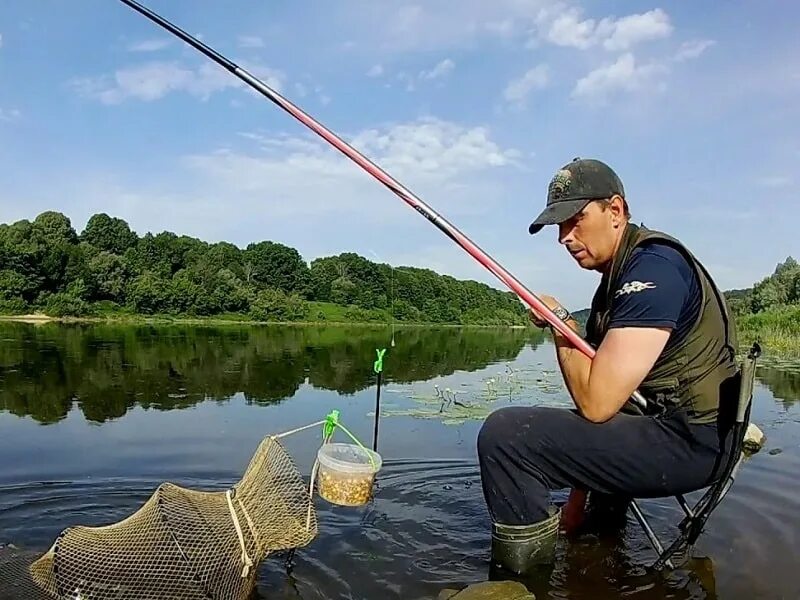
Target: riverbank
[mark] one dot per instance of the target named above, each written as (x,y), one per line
(777,330)
(232,319)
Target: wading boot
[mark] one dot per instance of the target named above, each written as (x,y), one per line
(519,549)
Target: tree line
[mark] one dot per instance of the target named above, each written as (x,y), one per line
(47,266)
(777,291)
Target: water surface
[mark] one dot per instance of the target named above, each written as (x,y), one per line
(93,418)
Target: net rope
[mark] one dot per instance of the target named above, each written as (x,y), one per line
(181,544)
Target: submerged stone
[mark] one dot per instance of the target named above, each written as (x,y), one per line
(489,590)
(754,439)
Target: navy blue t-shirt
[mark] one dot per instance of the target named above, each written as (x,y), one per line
(658,288)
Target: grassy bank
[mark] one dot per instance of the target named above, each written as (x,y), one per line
(319,313)
(778,330)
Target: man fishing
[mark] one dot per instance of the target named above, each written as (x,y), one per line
(658,325)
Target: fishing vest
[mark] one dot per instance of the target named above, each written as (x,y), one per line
(689,375)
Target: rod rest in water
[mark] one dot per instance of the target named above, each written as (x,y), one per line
(182,543)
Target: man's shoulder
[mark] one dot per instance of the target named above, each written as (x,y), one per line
(654,266)
(658,254)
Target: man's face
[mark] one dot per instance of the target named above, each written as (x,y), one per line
(590,236)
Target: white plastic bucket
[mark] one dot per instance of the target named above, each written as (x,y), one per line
(346,473)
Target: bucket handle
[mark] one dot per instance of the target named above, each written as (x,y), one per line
(330,425)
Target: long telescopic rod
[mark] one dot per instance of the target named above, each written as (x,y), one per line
(411,199)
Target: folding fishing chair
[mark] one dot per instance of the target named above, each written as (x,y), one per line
(692,525)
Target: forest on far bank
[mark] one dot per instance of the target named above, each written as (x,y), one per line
(47,266)
(108,270)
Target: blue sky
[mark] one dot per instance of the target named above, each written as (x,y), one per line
(471,104)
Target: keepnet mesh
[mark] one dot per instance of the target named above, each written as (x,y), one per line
(181,544)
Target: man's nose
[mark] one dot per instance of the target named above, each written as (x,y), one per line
(564,233)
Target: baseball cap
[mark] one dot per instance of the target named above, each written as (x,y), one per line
(573,187)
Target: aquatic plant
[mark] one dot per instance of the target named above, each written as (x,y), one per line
(475,400)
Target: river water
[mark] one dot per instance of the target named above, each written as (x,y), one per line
(94,418)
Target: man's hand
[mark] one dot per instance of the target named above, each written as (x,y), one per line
(538,319)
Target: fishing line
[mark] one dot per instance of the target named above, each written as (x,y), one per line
(407,196)
(391,288)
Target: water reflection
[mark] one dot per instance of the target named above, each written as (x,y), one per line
(783,383)
(427,528)
(107,369)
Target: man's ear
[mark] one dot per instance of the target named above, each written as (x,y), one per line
(617,207)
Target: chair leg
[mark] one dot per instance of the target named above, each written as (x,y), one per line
(685,506)
(637,512)
(690,528)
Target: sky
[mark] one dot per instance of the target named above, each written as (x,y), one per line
(473,105)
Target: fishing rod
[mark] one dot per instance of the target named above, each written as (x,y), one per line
(406,195)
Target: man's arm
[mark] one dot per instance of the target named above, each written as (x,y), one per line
(600,387)
(643,318)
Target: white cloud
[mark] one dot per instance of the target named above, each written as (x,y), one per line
(517,90)
(250,41)
(623,75)
(564,26)
(633,29)
(566,29)
(433,146)
(300,89)
(9,115)
(154,80)
(1,40)
(375,71)
(258,185)
(268,186)
(286,176)
(692,49)
(436,24)
(410,81)
(152,45)
(441,69)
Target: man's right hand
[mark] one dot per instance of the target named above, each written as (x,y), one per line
(550,303)
(536,319)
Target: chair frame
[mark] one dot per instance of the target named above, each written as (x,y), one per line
(693,523)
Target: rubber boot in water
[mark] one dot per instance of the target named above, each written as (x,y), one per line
(519,549)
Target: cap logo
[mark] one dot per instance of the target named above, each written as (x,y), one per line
(559,185)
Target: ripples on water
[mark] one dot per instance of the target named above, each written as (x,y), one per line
(427,527)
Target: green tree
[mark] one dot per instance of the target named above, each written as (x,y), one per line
(107,277)
(278,266)
(228,293)
(343,291)
(110,234)
(54,228)
(272,304)
(148,293)
(222,255)
(53,242)
(185,296)
(13,285)
(769,294)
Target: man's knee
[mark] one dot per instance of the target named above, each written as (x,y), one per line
(513,430)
